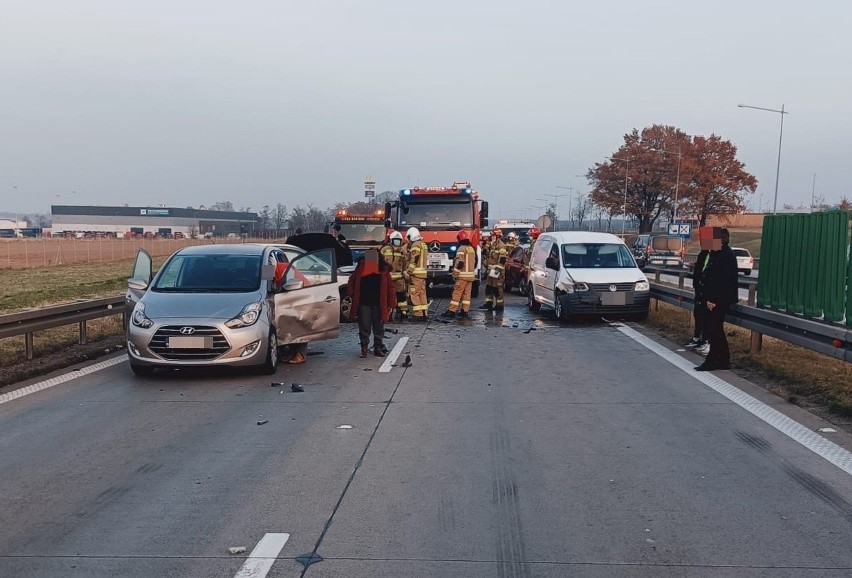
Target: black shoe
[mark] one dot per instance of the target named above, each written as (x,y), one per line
(498,308)
(693,343)
(448,314)
(419,318)
(707,367)
(463,315)
(487,306)
(379,353)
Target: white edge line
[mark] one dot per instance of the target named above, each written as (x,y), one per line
(261,559)
(65,377)
(393,355)
(824,448)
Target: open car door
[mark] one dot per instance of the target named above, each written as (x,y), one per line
(307,301)
(139,281)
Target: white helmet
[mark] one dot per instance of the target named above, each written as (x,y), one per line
(413,234)
(513,235)
(395,236)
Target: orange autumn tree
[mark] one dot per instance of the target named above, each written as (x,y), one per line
(711,179)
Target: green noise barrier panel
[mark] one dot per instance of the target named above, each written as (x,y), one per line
(805,265)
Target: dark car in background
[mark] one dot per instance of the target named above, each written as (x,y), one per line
(659,250)
(517,270)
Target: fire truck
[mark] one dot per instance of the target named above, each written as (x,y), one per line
(440,213)
(361,231)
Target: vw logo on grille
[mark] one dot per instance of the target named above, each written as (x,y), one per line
(613,288)
(435,246)
(187,330)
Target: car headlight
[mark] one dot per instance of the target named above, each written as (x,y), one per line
(643,286)
(580,287)
(139,319)
(248,316)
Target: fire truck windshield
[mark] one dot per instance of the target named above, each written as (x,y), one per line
(438,215)
(363,232)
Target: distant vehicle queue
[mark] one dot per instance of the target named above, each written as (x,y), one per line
(244,304)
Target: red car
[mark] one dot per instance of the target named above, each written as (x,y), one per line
(517,270)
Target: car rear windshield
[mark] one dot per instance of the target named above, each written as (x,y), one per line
(673,244)
(374,232)
(741,253)
(210,274)
(596,256)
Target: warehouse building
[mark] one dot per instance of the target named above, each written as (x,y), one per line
(147,221)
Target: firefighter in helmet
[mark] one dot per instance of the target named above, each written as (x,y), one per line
(534,233)
(485,243)
(415,274)
(394,255)
(496,273)
(511,242)
(464,272)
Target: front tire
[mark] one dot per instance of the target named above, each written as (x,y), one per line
(559,309)
(270,364)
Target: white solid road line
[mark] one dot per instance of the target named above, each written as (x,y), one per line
(261,559)
(393,355)
(789,427)
(48,383)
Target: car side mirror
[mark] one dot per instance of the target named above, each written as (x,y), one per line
(137,284)
(551,263)
(293,285)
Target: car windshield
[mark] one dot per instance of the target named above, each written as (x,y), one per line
(667,244)
(523,233)
(596,256)
(374,232)
(437,215)
(209,274)
(741,253)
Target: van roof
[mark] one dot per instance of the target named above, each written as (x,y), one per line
(581,237)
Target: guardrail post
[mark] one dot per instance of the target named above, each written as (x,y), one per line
(82,339)
(680,279)
(28,344)
(756,338)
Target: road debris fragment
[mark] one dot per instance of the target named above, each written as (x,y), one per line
(296,388)
(263,421)
(407,362)
(344,426)
(237,550)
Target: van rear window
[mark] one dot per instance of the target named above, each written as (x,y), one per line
(667,243)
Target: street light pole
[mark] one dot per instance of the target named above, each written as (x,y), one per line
(782,112)
(624,209)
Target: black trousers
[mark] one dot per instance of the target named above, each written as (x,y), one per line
(370,321)
(720,353)
(699,313)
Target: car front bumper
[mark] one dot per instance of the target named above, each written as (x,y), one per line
(222,345)
(589,303)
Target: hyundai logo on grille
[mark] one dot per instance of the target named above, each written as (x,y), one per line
(187,330)
(435,246)
(613,288)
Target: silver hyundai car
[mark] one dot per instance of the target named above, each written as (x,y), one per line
(229,305)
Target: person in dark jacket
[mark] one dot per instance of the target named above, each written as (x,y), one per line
(720,283)
(699,342)
(373,300)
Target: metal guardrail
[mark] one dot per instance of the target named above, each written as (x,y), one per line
(26,323)
(827,338)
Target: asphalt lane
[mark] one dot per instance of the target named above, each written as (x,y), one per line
(512,446)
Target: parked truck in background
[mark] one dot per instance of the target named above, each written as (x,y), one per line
(361,231)
(440,213)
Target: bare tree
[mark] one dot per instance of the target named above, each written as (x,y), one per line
(222,206)
(581,208)
(279,217)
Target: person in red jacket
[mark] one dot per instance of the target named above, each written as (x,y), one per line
(373,300)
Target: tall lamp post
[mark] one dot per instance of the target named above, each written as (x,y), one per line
(624,209)
(556,202)
(781,112)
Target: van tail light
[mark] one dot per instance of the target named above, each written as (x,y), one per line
(648,250)
(682,252)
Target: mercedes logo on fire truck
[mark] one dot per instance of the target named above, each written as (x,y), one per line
(435,246)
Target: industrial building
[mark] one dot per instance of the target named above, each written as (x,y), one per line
(147,221)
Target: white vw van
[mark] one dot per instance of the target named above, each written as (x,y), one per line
(581,273)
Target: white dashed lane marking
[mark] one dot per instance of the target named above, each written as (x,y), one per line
(261,559)
(65,377)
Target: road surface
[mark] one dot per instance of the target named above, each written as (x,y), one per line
(512,447)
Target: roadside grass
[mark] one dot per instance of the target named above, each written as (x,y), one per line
(801,376)
(26,288)
(58,348)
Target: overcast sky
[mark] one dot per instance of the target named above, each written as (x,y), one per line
(190,102)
